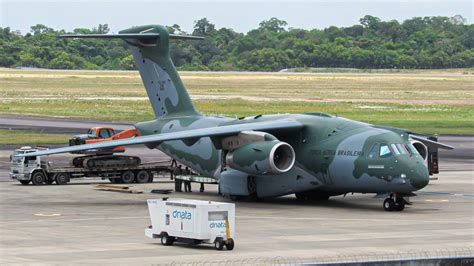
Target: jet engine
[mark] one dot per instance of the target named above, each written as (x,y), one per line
(421,148)
(262,158)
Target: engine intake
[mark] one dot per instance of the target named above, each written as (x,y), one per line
(421,148)
(262,158)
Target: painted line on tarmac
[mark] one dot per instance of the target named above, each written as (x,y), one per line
(446,193)
(238,217)
(76,220)
(448,221)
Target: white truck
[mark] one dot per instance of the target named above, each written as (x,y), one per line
(39,171)
(192,221)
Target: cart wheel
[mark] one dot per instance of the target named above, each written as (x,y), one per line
(166,240)
(229,245)
(24,182)
(219,244)
(62,179)
(142,176)
(38,178)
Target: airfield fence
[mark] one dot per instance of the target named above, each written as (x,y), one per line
(460,256)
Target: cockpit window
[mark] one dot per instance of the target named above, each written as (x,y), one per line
(384,151)
(395,149)
(373,151)
(403,149)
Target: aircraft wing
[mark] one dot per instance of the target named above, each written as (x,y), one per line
(429,142)
(178,135)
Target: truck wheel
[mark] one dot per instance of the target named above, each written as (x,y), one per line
(38,178)
(62,179)
(143,176)
(150,179)
(49,179)
(229,245)
(166,240)
(219,244)
(128,177)
(24,182)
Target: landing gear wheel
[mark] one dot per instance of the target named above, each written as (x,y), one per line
(312,195)
(229,245)
(24,182)
(38,178)
(62,179)
(219,244)
(128,177)
(235,197)
(400,204)
(143,176)
(301,196)
(166,240)
(389,204)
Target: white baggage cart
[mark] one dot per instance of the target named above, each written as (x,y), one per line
(192,221)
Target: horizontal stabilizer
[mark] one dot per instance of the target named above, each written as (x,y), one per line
(131,36)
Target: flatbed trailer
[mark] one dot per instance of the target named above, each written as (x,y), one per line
(181,178)
(38,170)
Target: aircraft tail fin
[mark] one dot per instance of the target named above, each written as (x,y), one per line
(150,47)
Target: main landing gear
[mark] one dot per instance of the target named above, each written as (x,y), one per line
(395,203)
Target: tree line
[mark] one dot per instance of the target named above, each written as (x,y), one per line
(419,42)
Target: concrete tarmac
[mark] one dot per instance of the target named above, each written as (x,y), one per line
(54,125)
(76,224)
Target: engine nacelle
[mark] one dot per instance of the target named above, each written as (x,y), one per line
(421,148)
(262,158)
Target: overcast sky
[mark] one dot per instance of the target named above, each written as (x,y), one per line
(241,16)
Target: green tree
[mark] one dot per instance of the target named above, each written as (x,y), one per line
(203,27)
(273,25)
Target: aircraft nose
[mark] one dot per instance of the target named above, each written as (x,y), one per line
(419,177)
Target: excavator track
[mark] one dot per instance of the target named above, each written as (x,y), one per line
(106,161)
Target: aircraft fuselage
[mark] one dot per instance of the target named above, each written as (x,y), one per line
(332,155)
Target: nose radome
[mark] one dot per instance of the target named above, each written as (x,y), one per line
(420,177)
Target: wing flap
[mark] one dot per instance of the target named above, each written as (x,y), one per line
(178,135)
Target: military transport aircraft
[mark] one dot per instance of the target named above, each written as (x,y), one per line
(313,155)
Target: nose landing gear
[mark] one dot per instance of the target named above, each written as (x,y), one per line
(395,203)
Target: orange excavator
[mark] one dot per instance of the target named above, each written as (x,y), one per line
(104,157)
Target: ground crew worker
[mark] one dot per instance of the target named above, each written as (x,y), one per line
(187,183)
(202,188)
(187,186)
(178,182)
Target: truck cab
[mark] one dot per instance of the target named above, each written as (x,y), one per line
(92,133)
(23,168)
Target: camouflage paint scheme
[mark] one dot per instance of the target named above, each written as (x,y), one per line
(338,172)
(331,152)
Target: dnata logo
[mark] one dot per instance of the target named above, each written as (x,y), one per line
(217,225)
(182,214)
